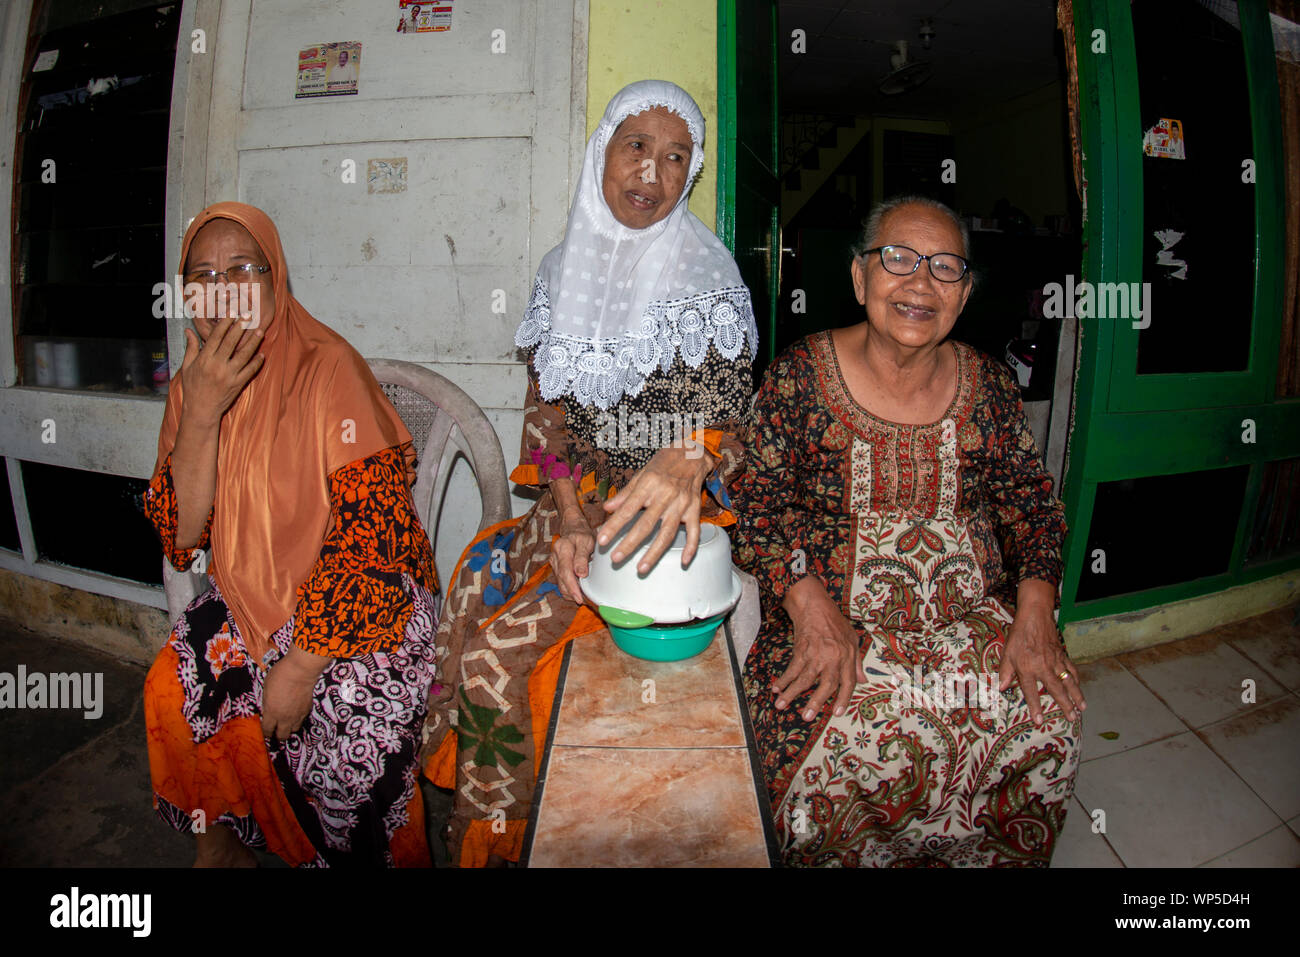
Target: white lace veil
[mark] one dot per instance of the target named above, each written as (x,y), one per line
(611,303)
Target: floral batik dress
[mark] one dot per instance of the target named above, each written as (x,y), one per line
(921,534)
(342,789)
(505,624)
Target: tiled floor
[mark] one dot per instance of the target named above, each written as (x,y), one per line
(1192,753)
(1178,768)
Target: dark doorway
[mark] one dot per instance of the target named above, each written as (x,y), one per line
(972,111)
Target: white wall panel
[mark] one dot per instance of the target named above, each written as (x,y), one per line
(457,62)
(493,141)
(475,190)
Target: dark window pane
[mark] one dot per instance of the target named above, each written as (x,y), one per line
(1191,68)
(8,522)
(1162,530)
(52,15)
(90,186)
(93,521)
(134,366)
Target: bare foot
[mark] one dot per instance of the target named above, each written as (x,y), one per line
(219,847)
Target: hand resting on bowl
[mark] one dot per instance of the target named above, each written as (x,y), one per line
(666,492)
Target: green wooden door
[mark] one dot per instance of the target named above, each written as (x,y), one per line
(749,192)
(1176,419)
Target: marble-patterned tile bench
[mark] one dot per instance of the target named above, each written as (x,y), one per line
(649,764)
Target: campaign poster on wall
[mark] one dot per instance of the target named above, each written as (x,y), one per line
(329,69)
(423,16)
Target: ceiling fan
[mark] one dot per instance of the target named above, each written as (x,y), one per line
(905,75)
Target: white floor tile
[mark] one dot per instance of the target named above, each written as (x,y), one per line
(1078,846)
(1278,652)
(1119,704)
(1173,803)
(1201,681)
(1280,847)
(1263,747)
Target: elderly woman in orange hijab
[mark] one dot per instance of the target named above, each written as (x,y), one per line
(285,711)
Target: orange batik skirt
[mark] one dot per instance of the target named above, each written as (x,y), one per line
(341,790)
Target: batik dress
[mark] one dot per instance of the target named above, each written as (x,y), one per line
(921,534)
(341,790)
(505,625)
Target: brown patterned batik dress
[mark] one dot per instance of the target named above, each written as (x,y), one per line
(505,623)
(921,533)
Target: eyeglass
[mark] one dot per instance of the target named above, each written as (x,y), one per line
(902,261)
(245,272)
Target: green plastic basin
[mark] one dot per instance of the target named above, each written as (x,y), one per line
(666,642)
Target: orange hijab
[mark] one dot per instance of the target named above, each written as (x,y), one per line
(312,408)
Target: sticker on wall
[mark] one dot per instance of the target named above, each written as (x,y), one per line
(1164,140)
(423,16)
(386,175)
(1168,238)
(329,69)
(45,61)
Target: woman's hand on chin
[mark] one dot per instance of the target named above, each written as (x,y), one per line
(826,652)
(668,490)
(287,692)
(216,371)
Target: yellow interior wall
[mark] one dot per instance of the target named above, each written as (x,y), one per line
(675,40)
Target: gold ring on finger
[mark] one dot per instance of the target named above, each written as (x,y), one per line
(1064,676)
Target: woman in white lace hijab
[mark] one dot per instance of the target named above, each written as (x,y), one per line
(638,277)
(640,337)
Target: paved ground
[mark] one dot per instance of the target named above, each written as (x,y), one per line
(1184,770)
(74,792)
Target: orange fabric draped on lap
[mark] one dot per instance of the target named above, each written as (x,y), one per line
(485,838)
(313,408)
(231,773)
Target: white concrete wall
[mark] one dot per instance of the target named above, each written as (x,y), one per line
(493,143)
(488,138)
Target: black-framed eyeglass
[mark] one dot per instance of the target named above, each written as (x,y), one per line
(902,261)
(244,272)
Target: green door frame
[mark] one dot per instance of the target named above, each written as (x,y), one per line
(727,123)
(732,159)
(1124,425)
(1130,426)
(1257,383)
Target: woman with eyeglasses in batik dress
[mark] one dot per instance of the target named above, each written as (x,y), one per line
(912,699)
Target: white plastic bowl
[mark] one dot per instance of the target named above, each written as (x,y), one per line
(669,593)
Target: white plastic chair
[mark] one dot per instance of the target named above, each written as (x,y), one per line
(444,422)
